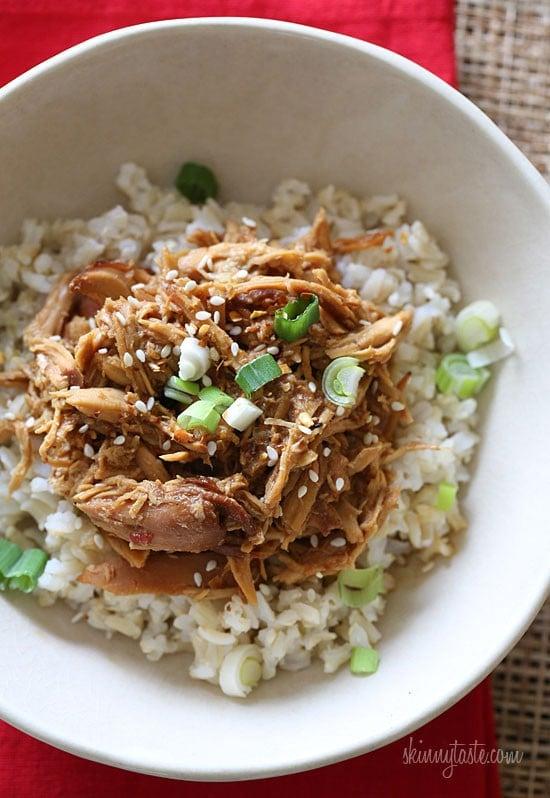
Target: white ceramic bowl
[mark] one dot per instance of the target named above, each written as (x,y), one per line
(260,101)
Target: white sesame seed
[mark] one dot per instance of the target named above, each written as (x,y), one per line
(150,403)
(375,420)
(338,542)
(171,275)
(327,451)
(88,450)
(314,540)
(127,359)
(119,440)
(397,406)
(234,349)
(84,428)
(203,315)
(212,448)
(248,221)
(166,351)
(30,422)
(211,565)
(339,484)
(197,578)
(273,350)
(102,351)
(206,381)
(303,429)
(340,410)
(272,454)
(189,286)
(140,354)
(140,406)
(217,300)
(133,301)
(235,330)
(177,349)
(98,540)
(91,323)
(312,386)
(302,490)
(137,286)
(370,437)
(313,475)
(121,317)
(166,446)
(241,274)
(55,338)
(216,317)
(397,327)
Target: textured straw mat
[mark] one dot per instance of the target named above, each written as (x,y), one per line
(503,50)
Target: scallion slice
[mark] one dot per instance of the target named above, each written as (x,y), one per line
(341,380)
(20,569)
(446,495)
(9,554)
(178,396)
(364,660)
(257,373)
(215,396)
(241,414)
(498,349)
(360,586)
(23,575)
(294,320)
(200,414)
(241,670)
(183,385)
(455,375)
(477,324)
(196,182)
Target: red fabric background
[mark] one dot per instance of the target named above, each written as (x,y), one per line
(32,30)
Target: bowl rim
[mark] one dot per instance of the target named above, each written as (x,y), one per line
(402,65)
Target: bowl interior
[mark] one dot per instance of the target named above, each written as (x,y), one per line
(259,102)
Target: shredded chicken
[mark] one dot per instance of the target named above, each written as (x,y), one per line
(296,494)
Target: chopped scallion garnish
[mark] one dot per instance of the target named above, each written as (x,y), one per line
(455,375)
(364,660)
(20,569)
(200,414)
(178,396)
(498,349)
(241,670)
(196,182)
(183,385)
(257,373)
(294,320)
(446,495)
(360,586)
(341,380)
(215,396)
(241,414)
(477,324)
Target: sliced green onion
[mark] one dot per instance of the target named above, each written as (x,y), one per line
(241,670)
(23,575)
(200,414)
(241,414)
(364,660)
(446,495)
(257,373)
(294,320)
(477,324)
(455,375)
(178,396)
(491,353)
(183,385)
(196,182)
(341,380)
(9,554)
(360,586)
(218,398)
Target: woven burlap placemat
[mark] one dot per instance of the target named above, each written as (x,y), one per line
(503,51)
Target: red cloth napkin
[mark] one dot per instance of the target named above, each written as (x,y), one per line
(422,30)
